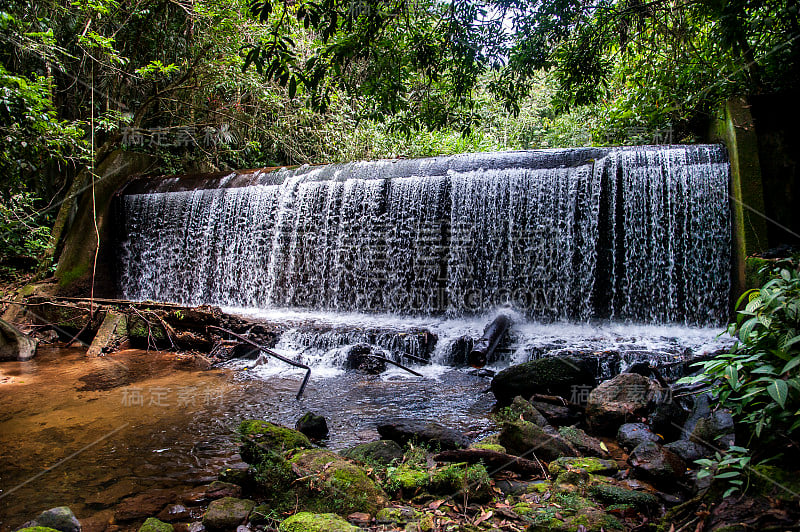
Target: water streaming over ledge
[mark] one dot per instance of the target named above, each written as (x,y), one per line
(635,234)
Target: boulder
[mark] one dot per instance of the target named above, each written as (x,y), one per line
(309,522)
(227,513)
(521,408)
(14,344)
(624,398)
(60,518)
(585,444)
(522,438)
(558,414)
(714,430)
(344,486)
(550,376)
(689,451)
(264,440)
(652,462)
(313,426)
(381,452)
(360,357)
(408,430)
(630,435)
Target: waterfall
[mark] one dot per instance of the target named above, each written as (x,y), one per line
(638,234)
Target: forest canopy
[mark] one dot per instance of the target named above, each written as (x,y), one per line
(218,84)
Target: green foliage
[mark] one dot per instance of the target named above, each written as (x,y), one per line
(731,467)
(759,379)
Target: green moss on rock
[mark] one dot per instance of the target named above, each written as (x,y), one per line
(489,447)
(310,522)
(264,440)
(610,494)
(471,480)
(407,478)
(227,513)
(339,485)
(37,529)
(596,466)
(775,482)
(155,525)
(398,516)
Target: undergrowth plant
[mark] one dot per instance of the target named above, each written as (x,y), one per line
(758,379)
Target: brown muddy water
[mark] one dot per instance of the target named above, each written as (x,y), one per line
(90,433)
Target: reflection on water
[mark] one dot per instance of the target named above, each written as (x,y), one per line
(87,433)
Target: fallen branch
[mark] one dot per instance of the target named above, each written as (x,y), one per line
(392,362)
(271,353)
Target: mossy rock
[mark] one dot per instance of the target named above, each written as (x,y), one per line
(37,529)
(523,509)
(519,437)
(587,445)
(408,479)
(539,486)
(399,516)
(380,453)
(310,522)
(338,485)
(774,482)
(595,466)
(616,495)
(227,513)
(155,525)
(471,480)
(496,447)
(264,440)
(591,519)
(521,408)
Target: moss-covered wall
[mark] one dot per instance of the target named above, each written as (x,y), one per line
(735,128)
(76,261)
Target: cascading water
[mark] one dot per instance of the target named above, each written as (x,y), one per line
(626,234)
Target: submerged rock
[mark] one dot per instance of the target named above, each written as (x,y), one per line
(60,518)
(14,344)
(622,399)
(313,426)
(309,522)
(408,430)
(551,376)
(227,513)
(381,452)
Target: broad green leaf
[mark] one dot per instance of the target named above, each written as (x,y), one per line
(778,390)
(793,363)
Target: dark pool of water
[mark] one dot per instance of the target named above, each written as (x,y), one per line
(86,433)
